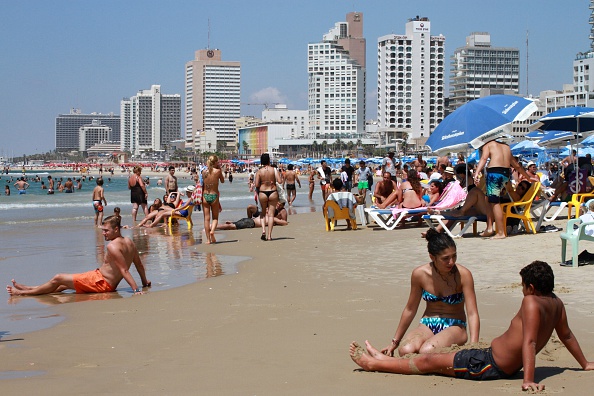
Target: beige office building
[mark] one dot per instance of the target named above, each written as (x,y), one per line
(213,90)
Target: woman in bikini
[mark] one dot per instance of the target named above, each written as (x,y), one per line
(266,179)
(211,177)
(409,195)
(138,193)
(447,289)
(312,183)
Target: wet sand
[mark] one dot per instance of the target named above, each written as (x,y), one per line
(283,324)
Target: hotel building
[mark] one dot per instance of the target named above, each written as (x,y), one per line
(213,90)
(150,120)
(478,66)
(410,82)
(68,126)
(336,81)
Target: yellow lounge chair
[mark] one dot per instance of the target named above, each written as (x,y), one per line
(522,209)
(187,218)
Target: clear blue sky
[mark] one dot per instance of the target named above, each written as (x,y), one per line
(60,54)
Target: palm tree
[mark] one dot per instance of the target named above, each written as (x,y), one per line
(246,147)
(324,147)
(314,147)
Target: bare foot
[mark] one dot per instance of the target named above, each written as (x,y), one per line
(20,286)
(498,236)
(359,356)
(487,234)
(375,353)
(13,291)
(212,237)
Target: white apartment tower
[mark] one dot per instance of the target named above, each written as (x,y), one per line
(411,81)
(336,81)
(213,90)
(478,66)
(280,113)
(149,120)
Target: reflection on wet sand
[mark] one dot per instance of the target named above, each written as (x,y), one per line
(63,298)
(213,266)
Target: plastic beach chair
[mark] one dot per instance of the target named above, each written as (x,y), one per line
(333,212)
(466,222)
(575,238)
(188,218)
(386,218)
(521,209)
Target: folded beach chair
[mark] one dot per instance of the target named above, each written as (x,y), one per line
(467,221)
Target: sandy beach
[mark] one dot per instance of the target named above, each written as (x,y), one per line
(282,325)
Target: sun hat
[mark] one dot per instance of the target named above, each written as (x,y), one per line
(449,169)
(190,188)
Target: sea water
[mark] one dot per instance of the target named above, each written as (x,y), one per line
(42,235)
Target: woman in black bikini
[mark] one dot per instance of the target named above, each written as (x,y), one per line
(266,179)
(138,193)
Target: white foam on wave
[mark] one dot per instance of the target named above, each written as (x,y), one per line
(59,205)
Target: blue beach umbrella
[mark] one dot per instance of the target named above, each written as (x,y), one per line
(572,119)
(478,122)
(525,146)
(536,135)
(556,138)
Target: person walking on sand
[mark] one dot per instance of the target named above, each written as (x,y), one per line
(540,313)
(266,179)
(138,193)
(121,253)
(497,175)
(99,201)
(211,177)
(290,178)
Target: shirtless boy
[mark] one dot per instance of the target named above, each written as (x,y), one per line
(98,199)
(121,253)
(171,181)
(541,312)
(498,174)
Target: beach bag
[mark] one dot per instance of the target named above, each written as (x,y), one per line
(282,194)
(577,181)
(369,181)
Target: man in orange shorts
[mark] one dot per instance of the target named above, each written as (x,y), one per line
(121,253)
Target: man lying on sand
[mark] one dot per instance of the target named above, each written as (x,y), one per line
(121,253)
(541,313)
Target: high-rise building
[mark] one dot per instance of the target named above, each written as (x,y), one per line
(213,90)
(410,81)
(68,125)
(92,134)
(150,120)
(336,81)
(478,65)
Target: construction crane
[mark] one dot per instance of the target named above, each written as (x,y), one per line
(266,105)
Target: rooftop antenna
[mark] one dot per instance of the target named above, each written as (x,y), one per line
(208,43)
(526,63)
